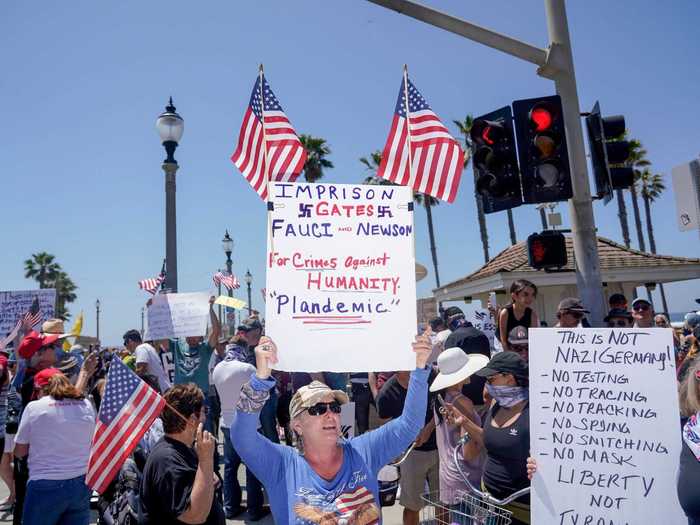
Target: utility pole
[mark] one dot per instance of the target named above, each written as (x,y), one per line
(555,63)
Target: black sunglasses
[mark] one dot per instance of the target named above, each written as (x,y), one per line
(642,307)
(320,408)
(621,323)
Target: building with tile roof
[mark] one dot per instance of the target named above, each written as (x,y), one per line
(622,270)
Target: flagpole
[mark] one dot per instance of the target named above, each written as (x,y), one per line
(267,164)
(410,153)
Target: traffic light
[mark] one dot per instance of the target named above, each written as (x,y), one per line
(496,178)
(608,157)
(544,158)
(546,250)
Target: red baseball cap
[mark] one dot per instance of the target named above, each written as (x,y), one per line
(41,379)
(33,342)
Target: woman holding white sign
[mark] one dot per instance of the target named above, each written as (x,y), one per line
(327,479)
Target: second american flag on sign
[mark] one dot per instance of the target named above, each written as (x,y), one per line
(128,409)
(434,162)
(268,146)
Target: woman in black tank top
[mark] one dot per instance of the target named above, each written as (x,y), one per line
(505,435)
(519,312)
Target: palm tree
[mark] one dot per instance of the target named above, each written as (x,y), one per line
(316,151)
(622,215)
(42,268)
(65,293)
(372,164)
(637,160)
(652,186)
(464,128)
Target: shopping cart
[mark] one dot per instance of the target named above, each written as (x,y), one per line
(473,507)
(388,478)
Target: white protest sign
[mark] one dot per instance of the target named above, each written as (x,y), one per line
(14,304)
(604,426)
(176,315)
(341,288)
(482,320)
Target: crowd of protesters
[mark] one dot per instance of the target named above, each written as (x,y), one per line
(223,390)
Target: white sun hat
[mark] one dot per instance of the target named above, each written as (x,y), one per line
(456,366)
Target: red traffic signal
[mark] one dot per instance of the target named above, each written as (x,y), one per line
(541,117)
(546,250)
(496,177)
(544,158)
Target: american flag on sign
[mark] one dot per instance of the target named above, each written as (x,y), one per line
(285,153)
(436,160)
(151,285)
(230,281)
(128,409)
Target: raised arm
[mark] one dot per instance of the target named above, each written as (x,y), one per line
(263,457)
(388,441)
(215,325)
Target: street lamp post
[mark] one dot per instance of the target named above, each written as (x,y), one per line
(97,315)
(170,128)
(227,246)
(248,280)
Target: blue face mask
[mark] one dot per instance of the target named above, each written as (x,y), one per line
(507,396)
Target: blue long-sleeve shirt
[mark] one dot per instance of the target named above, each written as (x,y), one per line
(298,495)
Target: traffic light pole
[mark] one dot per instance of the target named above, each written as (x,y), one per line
(556,63)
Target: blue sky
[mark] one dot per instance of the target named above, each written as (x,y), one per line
(83,82)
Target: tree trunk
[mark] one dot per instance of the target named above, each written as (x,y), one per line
(650,228)
(637,218)
(652,247)
(511,227)
(543,218)
(481,216)
(431,233)
(622,215)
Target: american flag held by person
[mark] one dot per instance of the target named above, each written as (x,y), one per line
(128,409)
(268,146)
(230,281)
(435,161)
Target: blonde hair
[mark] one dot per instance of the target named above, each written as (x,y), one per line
(689,391)
(60,388)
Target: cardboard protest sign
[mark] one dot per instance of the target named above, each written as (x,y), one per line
(176,315)
(341,290)
(14,304)
(604,426)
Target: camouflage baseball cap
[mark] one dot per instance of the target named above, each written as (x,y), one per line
(307,396)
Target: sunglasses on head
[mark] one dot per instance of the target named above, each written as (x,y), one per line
(643,307)
(320,408)
(620,322)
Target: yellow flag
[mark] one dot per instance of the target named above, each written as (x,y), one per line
(77,328)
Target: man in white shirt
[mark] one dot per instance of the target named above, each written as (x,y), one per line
(147,359)
(229,376)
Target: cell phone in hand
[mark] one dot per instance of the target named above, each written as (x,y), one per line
(441,400)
